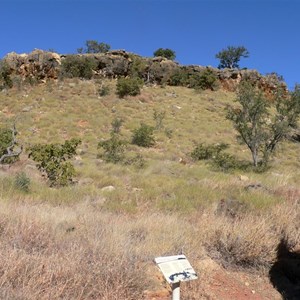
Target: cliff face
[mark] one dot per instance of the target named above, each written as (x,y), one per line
(42,66)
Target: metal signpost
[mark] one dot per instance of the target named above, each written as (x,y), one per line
(175,269)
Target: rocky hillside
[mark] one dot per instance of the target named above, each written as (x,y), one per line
(43,65)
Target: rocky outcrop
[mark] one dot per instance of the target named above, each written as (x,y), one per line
(38,64)
(43,65)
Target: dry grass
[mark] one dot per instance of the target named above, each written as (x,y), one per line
(79,251)
(79,242)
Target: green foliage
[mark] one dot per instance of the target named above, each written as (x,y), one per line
(203,152)
(114,149)
(138,67)
(262,124)
(225,162)
(158,117)
(143,136)
(230,57)
(104,91)
(206,79)
(138,161)
(129,86)
(93,46)
(5,72)
(22,182)
(78,66)
(116,125)
(165,52)
(53,161)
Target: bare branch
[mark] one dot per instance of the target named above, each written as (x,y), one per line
(10,149)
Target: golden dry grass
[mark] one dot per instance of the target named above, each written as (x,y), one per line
(79,242)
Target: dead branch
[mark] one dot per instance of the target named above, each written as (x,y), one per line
(10,149)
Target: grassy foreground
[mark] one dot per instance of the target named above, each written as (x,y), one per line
(82,242)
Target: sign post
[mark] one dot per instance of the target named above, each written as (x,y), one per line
(175,269)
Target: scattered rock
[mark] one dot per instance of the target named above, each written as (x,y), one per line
(243,178)
(27,109)
(255,186)
(108,188)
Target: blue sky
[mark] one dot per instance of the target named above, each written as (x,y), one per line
(195,30)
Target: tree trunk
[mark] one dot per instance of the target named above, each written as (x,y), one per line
(254,157)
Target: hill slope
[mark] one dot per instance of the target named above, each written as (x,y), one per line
(58,241)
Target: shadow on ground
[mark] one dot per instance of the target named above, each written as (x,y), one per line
(285,273)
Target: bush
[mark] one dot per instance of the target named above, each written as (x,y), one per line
(224,162)
(5,72)
(114,149)
(203,152)
(143,136)
(158,117)
(52,161)
(202,80)
(167,53)
(129,86)
(22,182)
(78,66)
(93,46)
(104,91)
(138,67)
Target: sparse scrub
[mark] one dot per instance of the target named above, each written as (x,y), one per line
(78,66)
(203,151)
(5,75)
(143,136)
(22,182)
(114,149)
(129,87)
(199,80)
(53,161)
(104,91)
(158,117)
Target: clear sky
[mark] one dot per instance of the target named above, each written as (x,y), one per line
(195,29)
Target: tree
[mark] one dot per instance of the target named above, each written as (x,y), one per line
(93,46)
(8,143)
(230,57)
(129,86)
(167,53)
(53,161)
(259,128)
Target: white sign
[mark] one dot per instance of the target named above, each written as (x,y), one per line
(176,268)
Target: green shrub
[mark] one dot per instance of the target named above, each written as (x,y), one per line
(114,149)
(129,86)
(53,161)
(224,162)
(202,152)
(138,67)
(116,125)
(93,46)
(167,53)
(104,91)
(5,72)
(138,161)
(78,66)
(158,117)
(143,136)
(205,79)
(22,182)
